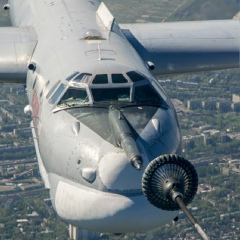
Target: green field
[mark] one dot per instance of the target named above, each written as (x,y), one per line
(129,11)
(141,10)
(167,10)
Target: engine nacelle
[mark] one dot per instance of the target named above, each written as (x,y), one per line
(16,47)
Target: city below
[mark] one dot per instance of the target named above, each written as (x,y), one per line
(208,109)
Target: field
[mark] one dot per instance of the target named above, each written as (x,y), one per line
(130,11)
(167,10)
(144,11)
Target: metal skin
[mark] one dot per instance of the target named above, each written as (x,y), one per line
(182,47)
(17,46)
(92,183)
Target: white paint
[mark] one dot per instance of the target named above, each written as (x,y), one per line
(76,128)
(86,205)
(156,124)
(28,110)
(103,212)
(117,173)
(89,174)
(42,169)
(105,15)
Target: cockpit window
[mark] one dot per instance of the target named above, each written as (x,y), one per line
(146,93)
(74,95)
(118,78)
(135,77)
(72,76)
(44,88)
(53,89)
(82,77)
(100,79)
(57,94)
(111,94)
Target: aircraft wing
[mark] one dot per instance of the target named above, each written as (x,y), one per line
(16,48)
(179,47)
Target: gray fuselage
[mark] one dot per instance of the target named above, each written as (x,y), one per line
(92,183)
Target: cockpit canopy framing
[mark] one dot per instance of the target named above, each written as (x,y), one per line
(117,87)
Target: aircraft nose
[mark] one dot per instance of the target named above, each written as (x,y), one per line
(117,174)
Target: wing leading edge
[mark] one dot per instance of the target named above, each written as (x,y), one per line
(180,47)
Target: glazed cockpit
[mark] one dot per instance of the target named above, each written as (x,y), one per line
(114,88)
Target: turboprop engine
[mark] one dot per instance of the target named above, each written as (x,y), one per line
(17,46)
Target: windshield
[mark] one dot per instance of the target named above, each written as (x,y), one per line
(135,77)
(74,96)
(111,94)
(146,93)
(57,94)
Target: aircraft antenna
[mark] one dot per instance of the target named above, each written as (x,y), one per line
(170,183)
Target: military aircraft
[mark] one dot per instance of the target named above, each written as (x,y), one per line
(106,134)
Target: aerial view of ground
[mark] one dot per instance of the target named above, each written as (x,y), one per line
(167,10)
(208,108)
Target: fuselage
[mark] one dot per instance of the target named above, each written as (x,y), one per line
(92,183)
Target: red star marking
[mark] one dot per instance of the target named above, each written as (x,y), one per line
(35,108)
